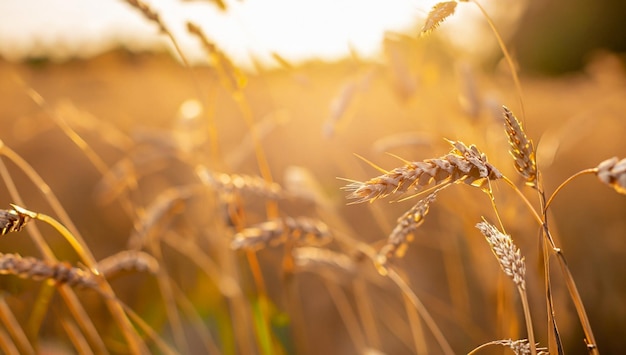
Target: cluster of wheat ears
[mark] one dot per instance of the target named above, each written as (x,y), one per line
(321,244)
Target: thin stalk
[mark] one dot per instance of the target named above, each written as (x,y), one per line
(567,181)
(507,56)
(364,307)
(79,342)
(421,309)
(347,315)
(6,344)
(417,332)
(527,317)
(14,328)
(531,208)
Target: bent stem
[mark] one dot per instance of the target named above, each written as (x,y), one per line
(566,182)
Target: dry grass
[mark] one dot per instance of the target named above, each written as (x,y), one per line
(185,226)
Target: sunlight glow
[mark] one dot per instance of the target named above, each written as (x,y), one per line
(295,29)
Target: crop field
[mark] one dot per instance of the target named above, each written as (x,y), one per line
(421,203)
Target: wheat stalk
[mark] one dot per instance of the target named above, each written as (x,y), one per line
(462,164)
(302,230)
(522,148)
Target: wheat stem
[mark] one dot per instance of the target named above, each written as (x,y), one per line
(507,56)
(421,309)
(566,182)
(14,328)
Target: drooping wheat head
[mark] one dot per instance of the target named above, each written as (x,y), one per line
(240,183)
(127,260)
(462,164)
(402,234)
(36,269)
(302,230)
(612,172)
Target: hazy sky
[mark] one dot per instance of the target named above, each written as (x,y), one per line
(295,29)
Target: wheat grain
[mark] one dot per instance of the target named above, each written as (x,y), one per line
(302,230)
(438,14)
(402,234)
(613,173)
(462,164)
(522,148)
(508,255)
(36,269)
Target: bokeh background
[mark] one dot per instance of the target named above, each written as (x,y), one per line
(390,91)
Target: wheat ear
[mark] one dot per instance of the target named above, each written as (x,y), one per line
(508,255)
(302,230)
(12,221)
(127,260)
(512,263)
(36,269)
(240,183)
(522,148)
(437,15)
(462,164)
(402,234)
(613,173)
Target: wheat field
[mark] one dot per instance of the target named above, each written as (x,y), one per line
(422,203)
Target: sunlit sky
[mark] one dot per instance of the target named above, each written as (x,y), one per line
(295,29)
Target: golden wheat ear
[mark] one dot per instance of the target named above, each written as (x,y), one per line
(462,164)
(399,239)
(522,148)
(301,230)
(437,15)
(36,269)
(612,172)
(507,253)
